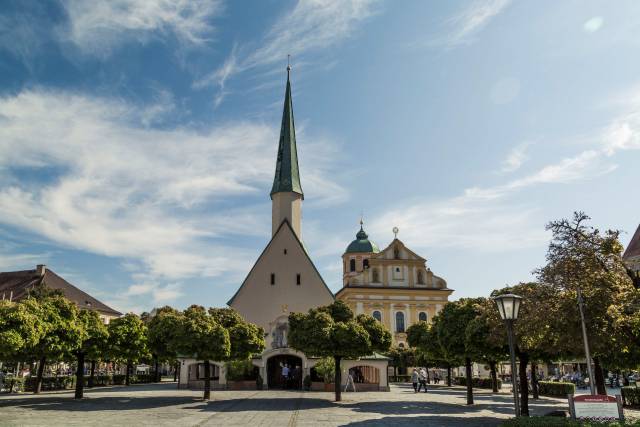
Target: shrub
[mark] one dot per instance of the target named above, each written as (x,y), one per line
(630,396)
(259,382)
(13,384)
(50,383)
(400,378)
(119,379)
(477,382)
(326,368)
(548,388)
(563,422)
(241,370)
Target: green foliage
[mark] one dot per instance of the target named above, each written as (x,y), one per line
(200,336)
(485,337)
(306,382)
(95,338)
(549,388)
(128,339)
(241,370)
(162,329)
(326,368)
(246,338)
(477,382)
(563,422)
(631,396)
(20,329)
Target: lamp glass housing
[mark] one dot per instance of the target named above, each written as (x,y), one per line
(508,306)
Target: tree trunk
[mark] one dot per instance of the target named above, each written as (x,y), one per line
(92,375)
(625,379)
(338,378)
(80,376)
(43,360)
(524,385)
(600,386)
(127,378)
(534,380)
(494,377)
(175,372)
(428,377)
(448,375)
(469,378)
(157,371)
(207,380)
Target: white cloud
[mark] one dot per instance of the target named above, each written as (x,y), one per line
(469,21)
(159,197)
(594,24)
(98,26)
(516,157)
(310,25)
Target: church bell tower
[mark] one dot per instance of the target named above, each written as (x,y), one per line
(286,193)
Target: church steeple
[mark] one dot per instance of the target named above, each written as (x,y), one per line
(287,178)
(286,193)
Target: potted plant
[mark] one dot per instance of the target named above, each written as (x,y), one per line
(326,368)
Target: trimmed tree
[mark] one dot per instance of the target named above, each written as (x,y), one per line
(423,337)
(128,341)
(93,345)
(20,329)
(162,329)
(200,336)
(333,331)
(62,330)
(449,327)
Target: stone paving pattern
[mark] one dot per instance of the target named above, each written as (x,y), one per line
(164,405)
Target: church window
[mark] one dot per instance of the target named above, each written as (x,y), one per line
(285,251)
(375,277)
(273,279)
(396,252)
(377,315)
(401,345)
(399,321)
(420,278)
(352,265)
(298,279)
(365,263)
(422,316)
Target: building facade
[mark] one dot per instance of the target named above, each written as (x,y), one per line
(394,285)
(283,280)
(631,258)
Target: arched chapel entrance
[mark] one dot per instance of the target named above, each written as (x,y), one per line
(275,378)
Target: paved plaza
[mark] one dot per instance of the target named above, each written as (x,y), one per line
(164,405)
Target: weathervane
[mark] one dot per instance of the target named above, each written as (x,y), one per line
(288,62)
(395,232)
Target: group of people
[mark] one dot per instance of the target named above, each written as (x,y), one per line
(419,379)
(290,376)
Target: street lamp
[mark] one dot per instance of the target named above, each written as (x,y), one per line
(509,308)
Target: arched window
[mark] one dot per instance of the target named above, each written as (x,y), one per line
(377,315)
(352,265)
(399,321)
(420,278)
(365,264)
(396,252)
(422,316)
(401,345)
(374,276)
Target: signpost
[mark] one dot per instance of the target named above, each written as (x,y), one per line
(597,407)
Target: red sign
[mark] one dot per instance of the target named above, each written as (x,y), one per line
(598,407)
(598,398)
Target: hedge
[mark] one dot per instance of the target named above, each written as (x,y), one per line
(477,382)
(400,378)
(65,383)
(549,388)
(630,396)
(563,422)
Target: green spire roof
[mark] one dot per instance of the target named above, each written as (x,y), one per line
(287,177)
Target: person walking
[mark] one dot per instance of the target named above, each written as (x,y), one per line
(423,379)
(414,379)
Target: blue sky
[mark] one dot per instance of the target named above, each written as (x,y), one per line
(138,137)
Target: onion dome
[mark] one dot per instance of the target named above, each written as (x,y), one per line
(362,243)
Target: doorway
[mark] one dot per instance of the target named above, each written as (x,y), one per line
(278,366)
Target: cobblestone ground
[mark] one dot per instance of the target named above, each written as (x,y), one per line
(164,405)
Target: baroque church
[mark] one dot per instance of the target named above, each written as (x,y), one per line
(393,285)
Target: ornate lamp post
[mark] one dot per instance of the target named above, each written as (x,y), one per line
(509,307)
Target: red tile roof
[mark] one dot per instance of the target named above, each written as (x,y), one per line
(633,249)
(18,284)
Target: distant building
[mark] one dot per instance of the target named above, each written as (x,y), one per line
(394,285)
(631,258)
(15,285)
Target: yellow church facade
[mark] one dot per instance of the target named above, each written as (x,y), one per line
(394,285)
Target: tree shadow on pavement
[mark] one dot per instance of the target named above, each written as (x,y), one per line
(429,420)
(104,403)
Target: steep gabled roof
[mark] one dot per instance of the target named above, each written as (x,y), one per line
(633,249)
(18,284)
(285,223)
(392,244)
(287,178)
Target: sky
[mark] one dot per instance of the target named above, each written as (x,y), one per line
(138,138)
